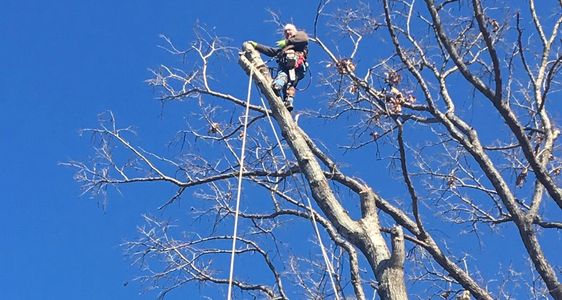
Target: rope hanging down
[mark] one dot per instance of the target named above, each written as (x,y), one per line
(327,261)
(236,212)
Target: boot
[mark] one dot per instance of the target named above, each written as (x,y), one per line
(289,103)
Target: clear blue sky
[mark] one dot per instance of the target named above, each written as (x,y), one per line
(62,63)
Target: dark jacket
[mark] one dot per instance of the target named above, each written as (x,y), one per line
(298,42)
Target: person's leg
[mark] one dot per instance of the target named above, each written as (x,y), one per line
(289,96)
(280,82)
(291,89)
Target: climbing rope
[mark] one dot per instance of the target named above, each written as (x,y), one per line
(327,261)
(239,190)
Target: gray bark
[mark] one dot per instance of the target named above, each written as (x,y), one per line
(365,233)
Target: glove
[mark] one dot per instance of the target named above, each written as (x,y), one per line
(254,44)
(281,43)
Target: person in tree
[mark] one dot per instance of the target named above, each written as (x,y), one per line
(291,54)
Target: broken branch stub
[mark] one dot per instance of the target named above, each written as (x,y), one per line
(254,57)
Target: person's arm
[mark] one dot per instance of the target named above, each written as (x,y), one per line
(269,51)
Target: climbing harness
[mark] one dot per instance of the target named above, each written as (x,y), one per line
(306,67)
(313,219)
(292,60)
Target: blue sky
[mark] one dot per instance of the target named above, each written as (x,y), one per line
(63,62)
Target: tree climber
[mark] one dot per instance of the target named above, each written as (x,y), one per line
(291,53)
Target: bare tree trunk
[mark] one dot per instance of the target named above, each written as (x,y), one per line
(365,234)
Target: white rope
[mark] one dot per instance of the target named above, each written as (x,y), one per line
(239,191)
(327,261)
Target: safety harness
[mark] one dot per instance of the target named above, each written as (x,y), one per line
(291,60)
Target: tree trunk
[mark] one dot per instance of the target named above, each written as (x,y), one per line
(364,234)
